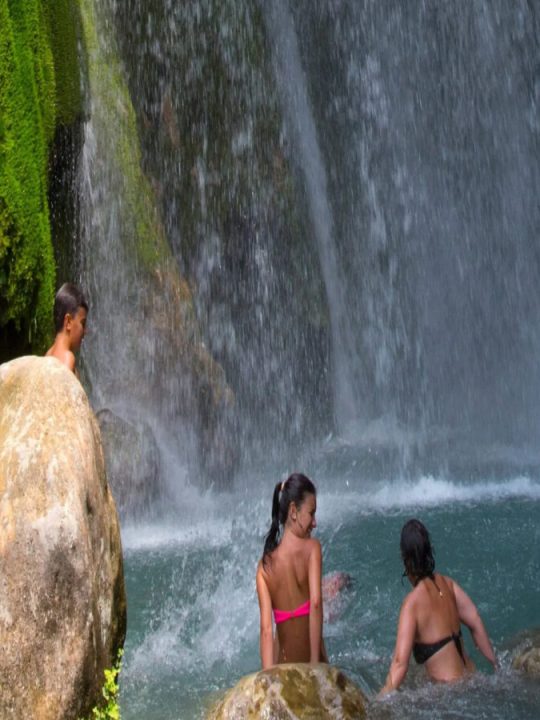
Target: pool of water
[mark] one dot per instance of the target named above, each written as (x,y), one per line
(193,613)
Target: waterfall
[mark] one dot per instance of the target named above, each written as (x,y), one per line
(291,81)
(342,198)
(215,150)
(427,119)
(152,382)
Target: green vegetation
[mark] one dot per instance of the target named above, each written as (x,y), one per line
(110,710)
(115,124)
(39,88)
(64,30)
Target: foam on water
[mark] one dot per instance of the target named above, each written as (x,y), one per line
(152,536)
(211,521)
(425,492)
(206,520)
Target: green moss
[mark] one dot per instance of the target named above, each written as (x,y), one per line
(301,693)
(115,120)
(27,112)
(64,27)
(39,87)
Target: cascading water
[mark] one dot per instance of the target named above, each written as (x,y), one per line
(428,123)
(291,81)
(216,150)
(315,220)
(344,179)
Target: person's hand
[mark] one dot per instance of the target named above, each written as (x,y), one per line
(384,692)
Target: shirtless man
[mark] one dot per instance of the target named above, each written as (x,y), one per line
(70,311)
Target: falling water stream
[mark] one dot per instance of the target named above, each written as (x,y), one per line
(291,81)
(310,241)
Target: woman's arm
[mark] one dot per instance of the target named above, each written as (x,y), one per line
(402,652)
(315,602)
(469,616)
(265,606)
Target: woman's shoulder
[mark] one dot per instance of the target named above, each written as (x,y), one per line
(314,544)
(313,548)
(446,579)
(262,567)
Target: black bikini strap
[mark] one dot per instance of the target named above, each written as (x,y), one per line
(456,637)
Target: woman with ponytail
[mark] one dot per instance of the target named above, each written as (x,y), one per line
(289,578)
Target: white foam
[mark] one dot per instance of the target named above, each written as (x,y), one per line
(153,536)
(207,519)
(427,491)
(225,616)
(213,520)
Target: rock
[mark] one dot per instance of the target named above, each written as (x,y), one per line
(527,653)
(132,462)
(62,599)
(295,691)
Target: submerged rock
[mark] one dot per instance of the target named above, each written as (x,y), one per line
(527,657)
(62,599)
(295,691)
(132,460)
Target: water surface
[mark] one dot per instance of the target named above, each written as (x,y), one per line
(193,614)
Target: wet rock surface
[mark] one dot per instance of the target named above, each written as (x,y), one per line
(293,691)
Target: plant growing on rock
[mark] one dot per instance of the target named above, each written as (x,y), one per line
(110,710)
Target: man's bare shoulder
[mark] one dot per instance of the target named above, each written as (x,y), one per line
(66,357)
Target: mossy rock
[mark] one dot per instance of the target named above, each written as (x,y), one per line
(27,115)
(295,691)
(39,81)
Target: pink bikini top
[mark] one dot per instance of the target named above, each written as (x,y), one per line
(282,615)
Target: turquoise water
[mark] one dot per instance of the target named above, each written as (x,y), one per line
(192,607)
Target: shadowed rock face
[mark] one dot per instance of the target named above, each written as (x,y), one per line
(293,691)
(132,460)
(527,658)
(62,598)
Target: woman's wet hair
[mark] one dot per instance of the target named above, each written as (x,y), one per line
(416,550)
(295,489)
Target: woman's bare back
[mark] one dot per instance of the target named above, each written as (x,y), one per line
(287,578)
(437,618)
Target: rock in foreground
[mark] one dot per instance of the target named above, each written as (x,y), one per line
(62,597)
(296,691)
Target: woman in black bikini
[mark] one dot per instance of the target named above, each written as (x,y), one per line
(289,578)
(431,616)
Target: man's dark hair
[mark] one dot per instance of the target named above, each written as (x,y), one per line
(68,300)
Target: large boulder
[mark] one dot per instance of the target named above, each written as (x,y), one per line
(527,653)
(62,598)
(295,691)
